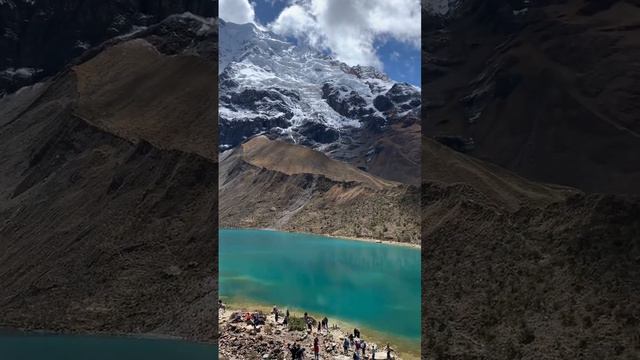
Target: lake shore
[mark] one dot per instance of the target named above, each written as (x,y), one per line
(343,237)
(143,336)
(239,340)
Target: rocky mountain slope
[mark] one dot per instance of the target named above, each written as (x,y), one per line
(514,268)
(547,89)
(292,93)
(39,38)
(518,269)
(273,184)
(108,190)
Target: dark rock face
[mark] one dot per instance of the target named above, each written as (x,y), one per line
(456,143)
(235,132)
(41,38)
(344,102)
(400,98)
(319,133)
(382,103)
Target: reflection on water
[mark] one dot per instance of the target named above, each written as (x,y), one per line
(375,285)
(66,347)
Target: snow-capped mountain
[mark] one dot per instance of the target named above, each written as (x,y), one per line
(270,85)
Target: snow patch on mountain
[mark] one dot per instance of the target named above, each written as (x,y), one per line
(24,72)
(441,7)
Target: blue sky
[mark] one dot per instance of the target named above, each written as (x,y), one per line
(381,33)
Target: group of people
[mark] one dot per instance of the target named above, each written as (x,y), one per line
(359,345)
(297,351)
(276,313)
(322,324)
(353,341)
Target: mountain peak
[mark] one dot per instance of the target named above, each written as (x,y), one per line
(269,85)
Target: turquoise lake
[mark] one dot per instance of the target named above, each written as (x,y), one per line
(372,285)
(71,347)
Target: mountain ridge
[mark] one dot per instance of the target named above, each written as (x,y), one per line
(312,193)
(485,66)
(104,217)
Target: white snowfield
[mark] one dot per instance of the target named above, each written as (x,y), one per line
(257,59)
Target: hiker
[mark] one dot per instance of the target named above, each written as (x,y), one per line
(319,327)
(287,313)
(309,322)
(389,351)
(275,312)
(285,322)
(363,346)
(357,341)
(356,333)
(345,345)
(325,323)
(374,349)
(350,340)
(356,355)
(293,349)
(254,320)
(316,348)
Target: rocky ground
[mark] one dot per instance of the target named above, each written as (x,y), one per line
(512,268)
(240,341)
(519,270)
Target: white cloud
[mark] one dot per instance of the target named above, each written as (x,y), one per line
(236,11)
(349,28)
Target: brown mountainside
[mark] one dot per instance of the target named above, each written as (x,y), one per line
(547,89)
(109,195)
(272,184)
(518,269)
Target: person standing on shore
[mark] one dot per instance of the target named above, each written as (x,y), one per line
(363,346)
(293,349)
(389,351)
(345,345)
(275,312)
(316,348)
(374,349)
